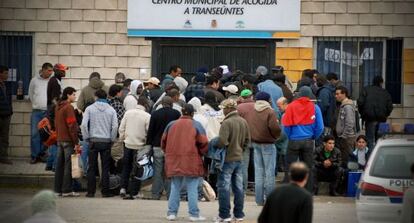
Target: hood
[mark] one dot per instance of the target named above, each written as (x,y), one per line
(181,83)
(196,103)
(62,104)
(101,106)
(261,105)
(347,102)
(134,86)
(96,83)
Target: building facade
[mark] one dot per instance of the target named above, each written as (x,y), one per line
(357,39)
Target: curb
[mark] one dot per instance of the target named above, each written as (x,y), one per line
(42,181)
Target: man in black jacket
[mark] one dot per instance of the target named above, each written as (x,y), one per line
(327,160)
(159,120)
(6,112)
(290,203)
(374,105)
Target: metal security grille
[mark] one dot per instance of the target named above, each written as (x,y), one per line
(358,60)
(192,54)
(16,53)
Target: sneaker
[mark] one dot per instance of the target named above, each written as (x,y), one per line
(238,219)
(139,196)
(71,194)
(171,217)
(122,192)
(219,220)
(199,218)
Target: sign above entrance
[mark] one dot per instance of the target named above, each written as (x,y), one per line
(261,19)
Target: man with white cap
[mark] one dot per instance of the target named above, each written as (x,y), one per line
(152,90)
(231,92)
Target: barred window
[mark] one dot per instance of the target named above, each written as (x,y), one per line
(358,60)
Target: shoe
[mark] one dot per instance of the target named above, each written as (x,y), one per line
(33,161)
(139,196)
(122,192)
(71,194)
(89,195)
(42,158)
(219,220)
(199,218)
(49,168)
(238,219)
(171,217)
(108,195)
(6,161)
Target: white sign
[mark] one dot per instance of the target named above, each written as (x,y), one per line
(349,58)
(212,18)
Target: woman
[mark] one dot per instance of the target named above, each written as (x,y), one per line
(67,140)
(360,153)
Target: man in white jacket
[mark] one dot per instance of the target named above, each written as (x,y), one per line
(38,97)
(133,131)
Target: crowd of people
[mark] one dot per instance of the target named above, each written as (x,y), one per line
(229,128)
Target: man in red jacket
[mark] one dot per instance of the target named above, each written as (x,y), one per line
(184,142)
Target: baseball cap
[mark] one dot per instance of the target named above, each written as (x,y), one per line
(246,93)
(61,67)
(231,88)
(228,103)
(153,80)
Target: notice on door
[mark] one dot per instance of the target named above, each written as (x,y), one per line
(213,18)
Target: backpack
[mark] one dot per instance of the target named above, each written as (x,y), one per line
(142,166)
(208,191)
(47,135)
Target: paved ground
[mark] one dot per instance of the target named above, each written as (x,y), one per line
(15,207)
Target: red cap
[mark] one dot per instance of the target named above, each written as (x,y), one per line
(60,67)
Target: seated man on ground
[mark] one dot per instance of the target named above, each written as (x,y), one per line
(327,160)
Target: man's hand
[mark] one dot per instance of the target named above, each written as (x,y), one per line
(78,149)
(327,163)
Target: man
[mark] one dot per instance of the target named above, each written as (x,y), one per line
(272,89)
(345,125)
(99,128)
(264,129)
(175,71)
(333,79)
(87,95)
(196,89)
(231,92)
(407,214)
(174,94)
(67,141)
(302,123)
(280,80)
(282,142)
(125,89)
(6,111)
(290,203)
(159,120)
(38,97)
(119,78)
(327,165)
(131,100)
(114,100)
(246,96)
(375,105)
(326,102)
(54,86)
(212,85)
(133,132)
(308,79)
(184,141)
(234,136)
(152,90)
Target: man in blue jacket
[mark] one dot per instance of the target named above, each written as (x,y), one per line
(303,124)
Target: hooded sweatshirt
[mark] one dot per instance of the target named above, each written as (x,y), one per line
(131,100)
(181,84)
(263,123)
(100,123)
(346,126)
(196,103)
(134,127)
(38,92)
(87,95)
(65,123)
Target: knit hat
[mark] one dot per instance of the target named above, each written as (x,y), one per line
(246,93)
(262,96)
(200,77)
(306,91)
(228,103)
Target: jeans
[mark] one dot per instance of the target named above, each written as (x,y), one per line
(63,173)
(128,160)
(371,131)
(159,182)
(264,171)
(4,135)
(84,155)
(191,184)
(51,159)
(104,149)
(232,174)
(36,145)
(302,150)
